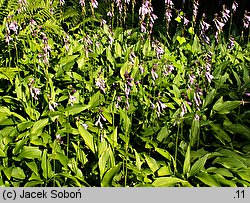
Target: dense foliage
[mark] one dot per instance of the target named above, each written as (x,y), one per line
(93,94)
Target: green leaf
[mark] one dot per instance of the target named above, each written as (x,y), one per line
(153,165)
(77,108)
(229,162)
(244,174)
(164,153)
(33,167)
(181,40)
(223,181)
(109,175)
(178,19)
(219,133)
(44,164)
(209,98)
(197,166)
(102,162)
(221,171)
(186,165)
(113,137)
(208,179)
(29,152)
(118,49)
(94,100)
(167,182)
(239,129)
(39,125)
(18,173)
(138,161)
(107,115)
(25,125)
(194,132)
(7,172)
(225,107)
(163,133)
(87,137)
(62,158)
(67,59)
(164,171)
(147,48)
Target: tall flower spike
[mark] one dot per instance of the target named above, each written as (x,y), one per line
(246,19)
(196,7)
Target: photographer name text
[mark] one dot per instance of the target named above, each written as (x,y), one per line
(42,194)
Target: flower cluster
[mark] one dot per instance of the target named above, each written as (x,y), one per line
(246,19)
(82,3)
(196,7)
(52,105)
(208,68)
(62,2)
(197,99)
(100,83)
(158,48)
(220,21)
(33,90)
(66,42)
(94,3)
(22,4)
(160,107)
(204,27)
(11,28)
(168,11)
(146,11)
(46,49)
(100,119)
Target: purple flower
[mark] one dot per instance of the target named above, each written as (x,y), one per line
(209,76)
(62,2)
(225,14)
(52,106)
(111,40)
(94,3)
(34,92)
(98,122)
(232,43)
(72,99)
(143,27)
(196,7)
(58,137)
(196,117)
(109,14)
(154,74)
(168,15)
(13,26)
(183,109)
(219,24)
(127,91)
(160,107)
(234,6)
(191,79)
(247,94)
(141,69)
(85,125)
(8,39)
(246,19)
(101,84)
(186,21)
(82,3)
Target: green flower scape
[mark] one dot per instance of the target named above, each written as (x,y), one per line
(113,93)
